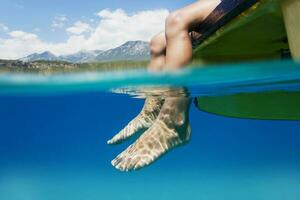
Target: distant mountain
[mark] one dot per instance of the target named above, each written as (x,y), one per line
(42,56)
(131,50)
(82,56)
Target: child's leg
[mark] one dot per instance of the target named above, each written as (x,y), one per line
(178,26)
(169,131)
(152,105)
(158,46)
(178,55)
(172,125)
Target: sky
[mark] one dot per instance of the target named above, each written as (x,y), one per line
(66,27)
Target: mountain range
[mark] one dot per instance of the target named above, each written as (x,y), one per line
(131,50)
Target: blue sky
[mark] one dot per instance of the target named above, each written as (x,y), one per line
(37,17)
(30,14)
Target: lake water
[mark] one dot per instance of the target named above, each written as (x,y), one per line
(53,133)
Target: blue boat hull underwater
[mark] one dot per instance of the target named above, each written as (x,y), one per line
(238,31)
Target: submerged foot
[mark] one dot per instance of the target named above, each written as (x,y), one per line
(164,135)
(143,121)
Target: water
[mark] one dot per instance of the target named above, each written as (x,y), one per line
(54,130)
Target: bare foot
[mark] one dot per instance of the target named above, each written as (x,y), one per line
(170,130)
(141,122)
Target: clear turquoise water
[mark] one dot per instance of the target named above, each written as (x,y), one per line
(53,132)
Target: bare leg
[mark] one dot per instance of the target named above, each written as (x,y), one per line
(158,46)
(152,105)
(171,127)
(141,122)
(169,130)
(178,26)
(178,54)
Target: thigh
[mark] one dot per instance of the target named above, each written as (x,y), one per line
(160,37)
(158,42)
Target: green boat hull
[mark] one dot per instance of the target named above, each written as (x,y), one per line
(259,33)
(279,105)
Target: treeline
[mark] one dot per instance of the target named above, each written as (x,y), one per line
(66,67)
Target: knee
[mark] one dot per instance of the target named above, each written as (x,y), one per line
(158,44)
(175,23)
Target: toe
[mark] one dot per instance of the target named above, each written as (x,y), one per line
(116,161)
(139,165)
(114,139)
(127,159)
(131,129)
(133,163)
(117,138)
(120,165)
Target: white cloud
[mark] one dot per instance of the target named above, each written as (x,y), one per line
(112,29)
(3,27)
(79,28)
(21,44)
(59,21)
(116,27)
(21,35)
(18,44)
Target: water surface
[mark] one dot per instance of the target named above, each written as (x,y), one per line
(54,130)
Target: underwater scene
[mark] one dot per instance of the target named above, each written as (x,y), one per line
(54,131)
(144,100)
